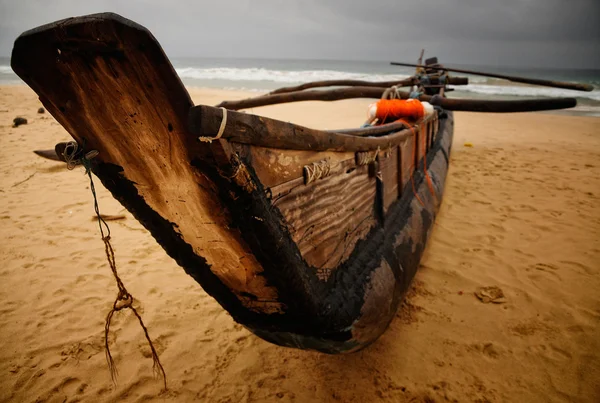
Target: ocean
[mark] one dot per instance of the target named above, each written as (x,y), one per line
(262,75)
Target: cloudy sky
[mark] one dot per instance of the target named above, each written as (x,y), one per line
(553,33)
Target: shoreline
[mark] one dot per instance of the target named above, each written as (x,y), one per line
(212,96)
(521,211)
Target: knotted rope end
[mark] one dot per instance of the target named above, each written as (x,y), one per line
(221,129)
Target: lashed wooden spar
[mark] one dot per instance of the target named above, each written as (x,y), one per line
(471,105)
(524,80)
(360,83)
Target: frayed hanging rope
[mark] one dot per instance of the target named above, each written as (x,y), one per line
(124,299)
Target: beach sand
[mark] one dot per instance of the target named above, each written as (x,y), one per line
(521,212)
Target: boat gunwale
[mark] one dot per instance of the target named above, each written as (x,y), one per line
(273,133)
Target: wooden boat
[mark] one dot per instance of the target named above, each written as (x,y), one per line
(308,238)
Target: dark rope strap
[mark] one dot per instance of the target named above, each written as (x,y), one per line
(124,299)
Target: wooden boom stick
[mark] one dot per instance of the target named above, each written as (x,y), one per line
(473,105)
(524,80)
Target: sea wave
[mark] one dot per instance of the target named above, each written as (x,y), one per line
(527,91)
(279,76)
(267,77)
(262,79)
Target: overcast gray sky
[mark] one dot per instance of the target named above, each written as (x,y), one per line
(554,33)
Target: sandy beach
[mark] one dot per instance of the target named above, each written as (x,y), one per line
(521,212)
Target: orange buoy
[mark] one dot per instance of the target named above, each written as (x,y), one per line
(394,109)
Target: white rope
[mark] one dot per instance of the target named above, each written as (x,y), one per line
(395,93)
(366,157)
(316,170)
(392,92)
(70,152)
(221,129)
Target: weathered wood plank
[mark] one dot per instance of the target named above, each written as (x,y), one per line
(436,127)
(429,135)
(425,137)
(389,171)
(276,166)
(422,143)
(407,157)
(326,218)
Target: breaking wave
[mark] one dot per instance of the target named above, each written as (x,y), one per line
(264,79)
(526,91)
(258,74)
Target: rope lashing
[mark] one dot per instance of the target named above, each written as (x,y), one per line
(221,129)
(74,156)
(316,170)
(70,155)
(392,93)
(366,157)
(424,80)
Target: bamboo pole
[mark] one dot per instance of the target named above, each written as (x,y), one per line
(343,83)
(524,80)
(473,105)
(421,56)
(506,106)
(360,83)
(296,96)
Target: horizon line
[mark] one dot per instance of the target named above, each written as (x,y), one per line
(449,64)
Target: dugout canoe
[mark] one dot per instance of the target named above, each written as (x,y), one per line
(308,238)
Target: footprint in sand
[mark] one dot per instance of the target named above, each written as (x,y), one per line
(559,353)
(489,350)
(83,350)
(545,267)
(27,377)
(550,352)
(583,269)
(531,327)
(160,345)
(65,387)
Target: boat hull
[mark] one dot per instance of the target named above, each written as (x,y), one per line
(357,303)
(217,210)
